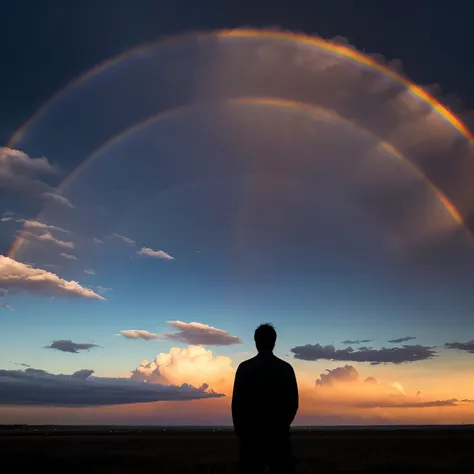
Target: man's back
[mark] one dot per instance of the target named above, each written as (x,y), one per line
(265,398)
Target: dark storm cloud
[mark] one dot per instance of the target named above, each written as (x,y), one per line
(402,339)
(461,346)
(339,374)
(357,341)
(394,355)
(83,373)
(69,346)
(200,334)
(40,388)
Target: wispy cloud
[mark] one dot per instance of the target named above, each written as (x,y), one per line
(17,276)
(48,237)
(32,224)
(127,240)
(402,339)
(68,256)
(40,388)
(357,341)
(89,271)
(58,198)
(97,241)
(393,355)
(138,334)
(200,334)
(7,306)
(102,289)
(155,253)
(71,347)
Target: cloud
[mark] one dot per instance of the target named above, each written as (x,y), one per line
(339,374)
(40,388)
(397,403)
(32,224)
(57,198)
(402,339)
(20,277)
(102,290)
(357,341)
(97,241)
(138,334)
(48,237)
(83,373)
(68,256)
(18,171)
(200,334)
(127,240)
(343,386)
(394,355)
(461,346)
(69,346)
(193,364)
(89,271)
(155,253)
(7,306)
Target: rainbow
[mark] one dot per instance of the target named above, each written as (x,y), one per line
(302,39)
(313,110)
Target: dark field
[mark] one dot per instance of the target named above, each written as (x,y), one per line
(319,450)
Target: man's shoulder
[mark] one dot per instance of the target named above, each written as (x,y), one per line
(284,364)
(247,364)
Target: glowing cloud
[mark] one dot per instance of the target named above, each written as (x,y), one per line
(201,334)
(20,277)
(194,365)
(155,253)
(138,334)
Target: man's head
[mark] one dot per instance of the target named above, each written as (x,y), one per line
(265,337)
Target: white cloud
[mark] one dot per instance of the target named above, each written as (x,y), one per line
(97,241)
(200,334)
(89,271)
(127,240)
(193,364)
(40,388)
(6,306)
(48,237)
(68,256)
(138,334)
(20,277)
(155,253)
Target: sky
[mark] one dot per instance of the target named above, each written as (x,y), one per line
(172,177)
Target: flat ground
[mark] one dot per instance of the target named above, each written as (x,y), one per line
(137,450)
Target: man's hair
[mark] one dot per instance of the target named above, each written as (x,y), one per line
(265,337)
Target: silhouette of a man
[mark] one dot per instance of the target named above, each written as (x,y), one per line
(264,404)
